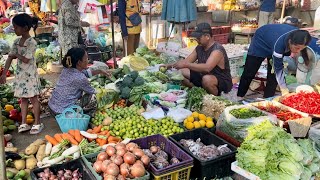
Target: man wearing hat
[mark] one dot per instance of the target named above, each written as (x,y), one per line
(9,29)
(208,65)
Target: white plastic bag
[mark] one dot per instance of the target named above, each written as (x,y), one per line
(97,65)
(155,113)
(179,114)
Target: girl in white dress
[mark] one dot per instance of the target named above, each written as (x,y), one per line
(27,84)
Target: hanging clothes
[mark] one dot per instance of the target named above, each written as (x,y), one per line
(179,11)
(48,6)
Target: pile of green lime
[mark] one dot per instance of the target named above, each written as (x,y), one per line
(136,126)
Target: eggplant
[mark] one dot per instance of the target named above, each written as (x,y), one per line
(13,156)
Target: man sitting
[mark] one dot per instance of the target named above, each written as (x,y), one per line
(208,65)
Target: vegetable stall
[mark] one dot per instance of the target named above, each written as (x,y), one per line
(147,125)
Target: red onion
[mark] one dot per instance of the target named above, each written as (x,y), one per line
(108,177)
(102,156)
(121,152)
(120,146)
(113,169)
(137,170)
(104,165)
(120,177)
(117,160)
(138,153)
(110,151)
(139,162)
(129,158)
(145,160)
(124,169)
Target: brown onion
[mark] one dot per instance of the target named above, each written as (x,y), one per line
(104,165)
(138,153)
(108,177)
(110,150)
(113,169)
(137,170)
(97,166)
(121,152)
(102,156)
(131,146)
(145,160)
(117,159)
(120,146)
(129,158)
(139,162)
(124,169)
(154,149)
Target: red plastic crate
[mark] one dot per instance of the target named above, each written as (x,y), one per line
(221,38)
(216,30)
(225,29)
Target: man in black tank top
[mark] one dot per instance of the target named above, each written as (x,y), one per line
(208,65)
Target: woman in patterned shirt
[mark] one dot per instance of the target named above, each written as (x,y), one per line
(73,83)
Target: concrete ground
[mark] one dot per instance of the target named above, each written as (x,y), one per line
(22,140)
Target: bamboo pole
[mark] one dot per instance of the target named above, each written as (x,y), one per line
(2,153)
(283,9)
(115,65)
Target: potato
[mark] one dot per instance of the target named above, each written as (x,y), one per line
(31,162)
(33,147)
(41,152)
(20,164)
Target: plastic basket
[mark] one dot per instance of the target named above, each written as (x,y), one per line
(69,119)
(170,148)
(72,165)
(91,158)
(221,38)
(215,168)
(180,174)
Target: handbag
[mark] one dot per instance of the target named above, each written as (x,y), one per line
(135,18)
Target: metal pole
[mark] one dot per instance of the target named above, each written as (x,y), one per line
(2,153)
(112,32)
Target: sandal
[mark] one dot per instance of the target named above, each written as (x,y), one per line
(36,129)
(23,128)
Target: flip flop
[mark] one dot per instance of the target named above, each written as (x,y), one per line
(23,128)
(36,129)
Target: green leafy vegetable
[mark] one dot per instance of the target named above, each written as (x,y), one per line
(246,113)
(195,96)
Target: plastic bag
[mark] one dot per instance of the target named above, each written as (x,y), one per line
(155,113)
(90,36)
(179,114)
(237,128)
(314,133)
(97,65)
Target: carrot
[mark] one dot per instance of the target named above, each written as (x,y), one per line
(97,129)
(70,138)
(101,142)
(114,142)
(105,132)
(71,132)
(77,135)
(51,140)
(89,130)
(112,138)
(58,137)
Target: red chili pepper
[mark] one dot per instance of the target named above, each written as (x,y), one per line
(305,102)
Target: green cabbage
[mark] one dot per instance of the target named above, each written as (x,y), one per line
(307,150)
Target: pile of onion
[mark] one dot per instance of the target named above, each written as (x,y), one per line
(122,161)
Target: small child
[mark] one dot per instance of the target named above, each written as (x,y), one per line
(27,84)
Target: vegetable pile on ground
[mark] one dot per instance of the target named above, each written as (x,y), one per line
(195,97)
(60,175)
(159,158)
(281,114)
(122,161)
(197,120)
(304,102)
(246,113)
(213,106)
(271,153)
(204,152)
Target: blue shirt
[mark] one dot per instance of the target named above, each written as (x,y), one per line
(268,5)
(271,41)
(122,6)
(70,87)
